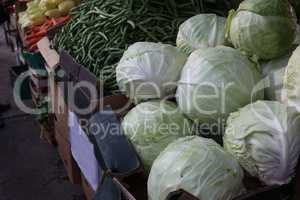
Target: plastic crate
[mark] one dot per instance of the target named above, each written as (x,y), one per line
(15,72)
(36,63)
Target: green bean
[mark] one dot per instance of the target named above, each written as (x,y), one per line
(101,30)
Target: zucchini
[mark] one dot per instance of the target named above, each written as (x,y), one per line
(53,13)
(65,6)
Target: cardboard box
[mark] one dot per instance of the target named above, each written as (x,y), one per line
(62,129)
(48,134)
(69,65)
(133,181)
(60,109)
(83,152)
(50,56)
(37,95)
(88,190)
(64,150)
(134,184)
(39,82)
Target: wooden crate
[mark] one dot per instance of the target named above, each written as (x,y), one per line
(64,150)
(61,112)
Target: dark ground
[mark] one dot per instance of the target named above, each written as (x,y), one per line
(30,169)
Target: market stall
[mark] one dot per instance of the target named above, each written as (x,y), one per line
(169,99)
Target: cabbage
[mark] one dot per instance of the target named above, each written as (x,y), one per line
(273,72)
(297,39)
(296,4)
(151,126)
(264,28)
(204,30)
(149,70)
(291,92)
(215,82)
(197,165)
(265,138)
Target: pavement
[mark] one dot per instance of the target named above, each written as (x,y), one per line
(30,169)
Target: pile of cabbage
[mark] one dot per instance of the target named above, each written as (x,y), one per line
(223,103)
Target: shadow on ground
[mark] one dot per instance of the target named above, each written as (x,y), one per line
(30,169)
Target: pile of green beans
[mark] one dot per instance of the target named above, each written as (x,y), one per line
(101,30)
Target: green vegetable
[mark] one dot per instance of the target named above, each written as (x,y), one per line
(56,2)
(291,80)
(65,6)
(264,137)
(215,82)
(47,5)
(53,13)
(149,70)
(100,31)
(152,125)
(265,29)
(108,76)
(77,2)
(273,72)
(200,31)
(34,10)
(199,166)
(296,4)
(24,19)
(37,18)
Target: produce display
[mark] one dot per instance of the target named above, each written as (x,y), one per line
(264,137)
(201,31)
(296,5)
(297,39)
(152,125)
(273,72)
(38,11)
(257,28)
(291,91)
(101,31)
(182,68)
(146,70)
(210,72)
(36,33)
(199,166)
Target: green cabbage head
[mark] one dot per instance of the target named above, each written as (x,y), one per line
(151,126)
(149,70)
(215,82)
(265,138)
(200,31)
(291,81)
(264,28)
(273,72)
(197,165)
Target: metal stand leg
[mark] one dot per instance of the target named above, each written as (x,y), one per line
(5,33)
